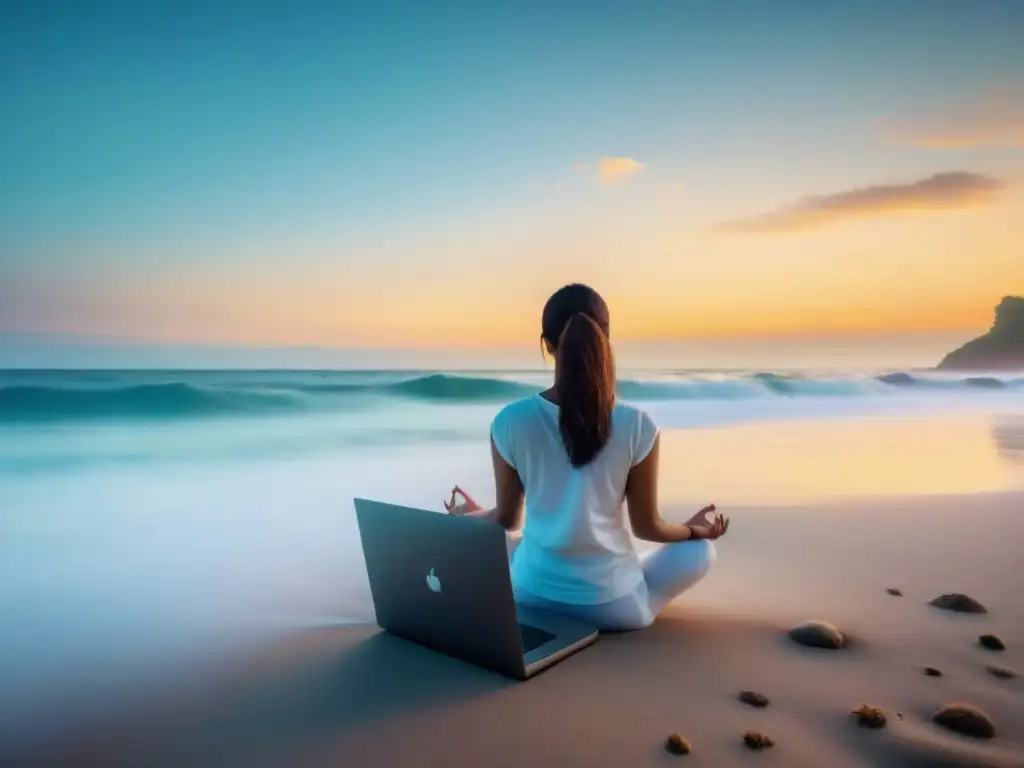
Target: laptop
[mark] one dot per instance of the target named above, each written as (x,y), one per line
(442,581)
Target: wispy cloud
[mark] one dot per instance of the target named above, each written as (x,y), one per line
(943,191)
(994,121)
(612,170)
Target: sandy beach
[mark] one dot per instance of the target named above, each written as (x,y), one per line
(259,260)
(353,696)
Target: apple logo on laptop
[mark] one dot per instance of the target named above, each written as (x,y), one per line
(433,583)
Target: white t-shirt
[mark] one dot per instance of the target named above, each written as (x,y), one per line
(576,547)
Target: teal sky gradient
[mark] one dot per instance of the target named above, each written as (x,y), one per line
(156,137)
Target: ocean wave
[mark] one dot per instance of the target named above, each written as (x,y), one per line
(53,399)
(147,401)
(429,386)
(969,382)
(70,401)
(439,386)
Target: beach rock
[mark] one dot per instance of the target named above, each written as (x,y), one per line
(870,717)
(895,592)
(1001,674)
(965,719)
(959,603)
(754,699)
(817,634)
(757,740)
(991,643)
(898,379)
(932,672)
(677,745)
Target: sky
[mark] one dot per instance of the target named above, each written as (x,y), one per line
(423,175)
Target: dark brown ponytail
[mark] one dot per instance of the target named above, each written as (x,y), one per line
(576,326)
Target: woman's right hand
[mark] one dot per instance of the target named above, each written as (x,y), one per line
(707,524)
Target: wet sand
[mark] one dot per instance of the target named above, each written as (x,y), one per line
(352,696)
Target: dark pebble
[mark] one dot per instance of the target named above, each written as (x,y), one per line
(756,740)
(754,699)
(677,745)
(870,717)
(932,672)
(895,592)
(818,634)
(965,719)
(992,643)
(1001,673)
(959,603)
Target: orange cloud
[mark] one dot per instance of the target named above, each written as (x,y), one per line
(944,191)
(615,169)
(994,121)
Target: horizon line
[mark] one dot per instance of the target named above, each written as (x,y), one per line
(97,340)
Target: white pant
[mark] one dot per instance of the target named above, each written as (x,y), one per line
(669,571)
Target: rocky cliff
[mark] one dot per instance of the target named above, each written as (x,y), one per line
(1002,348)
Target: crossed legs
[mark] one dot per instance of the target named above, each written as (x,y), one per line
(669,570)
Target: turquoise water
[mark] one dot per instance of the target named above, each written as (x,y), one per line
(69,396)
(54,421)
(149,515)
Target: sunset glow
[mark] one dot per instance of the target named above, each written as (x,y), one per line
(201,193)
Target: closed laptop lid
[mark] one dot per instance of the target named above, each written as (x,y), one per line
(442,581)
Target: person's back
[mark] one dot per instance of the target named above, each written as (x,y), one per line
(575,547)
(573,454)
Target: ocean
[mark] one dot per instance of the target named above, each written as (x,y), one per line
(57,422)
(155,514)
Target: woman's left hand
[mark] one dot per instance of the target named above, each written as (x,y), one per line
(468,506)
